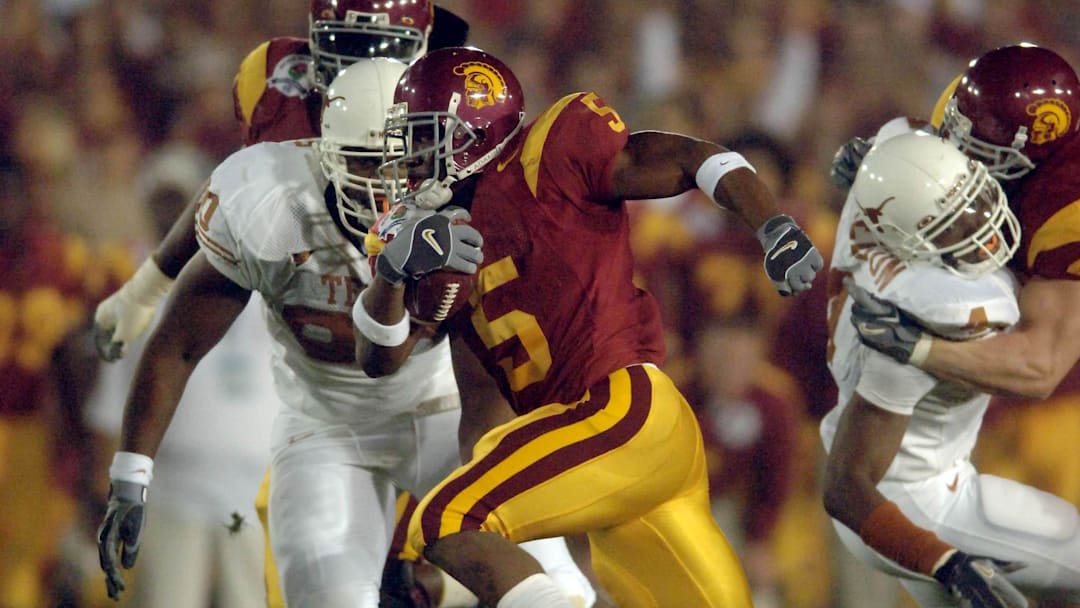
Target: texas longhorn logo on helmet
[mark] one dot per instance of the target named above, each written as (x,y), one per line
(1052,120)
(484,85)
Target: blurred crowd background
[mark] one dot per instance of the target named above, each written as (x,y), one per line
(113,111)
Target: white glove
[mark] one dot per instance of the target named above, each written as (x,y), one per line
(125,315)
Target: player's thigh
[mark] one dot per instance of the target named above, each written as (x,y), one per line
(239,553)
(174,566)
(1008,520)
(630,446)
(434,454)
(330,526)
(675,555)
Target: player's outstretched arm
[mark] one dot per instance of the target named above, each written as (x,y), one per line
(655,164)
(204,305)
(126,314)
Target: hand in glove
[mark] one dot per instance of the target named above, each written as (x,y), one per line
(979,582)
(431,241)
(882,326)
(124,316)
(846,161)
(120,532)
(791,260)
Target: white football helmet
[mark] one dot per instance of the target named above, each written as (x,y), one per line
(351,146)
(922,199)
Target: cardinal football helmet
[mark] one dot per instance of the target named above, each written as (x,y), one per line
(923,199)
(342,31)
(454,111)
(1013,107)
(351,147)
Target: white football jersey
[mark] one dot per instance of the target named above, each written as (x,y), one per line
(265,225)
(945,416)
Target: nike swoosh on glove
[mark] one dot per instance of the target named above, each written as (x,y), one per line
(979,582)
(882,326)
(791,260)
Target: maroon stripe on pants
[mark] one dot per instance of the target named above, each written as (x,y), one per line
(552,464)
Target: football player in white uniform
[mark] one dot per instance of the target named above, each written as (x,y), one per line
(930,231)
(287,220)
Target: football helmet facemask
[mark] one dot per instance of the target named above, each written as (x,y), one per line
(454,112)
(923,199)
(343,31)
(351,147)
(1013,107)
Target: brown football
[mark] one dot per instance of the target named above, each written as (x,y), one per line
(436,296)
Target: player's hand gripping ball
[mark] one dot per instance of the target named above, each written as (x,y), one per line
(436,295)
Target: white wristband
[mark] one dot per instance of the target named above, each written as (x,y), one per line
(716,167)
(383,335)
(148,285)
(129,466)
(921,351)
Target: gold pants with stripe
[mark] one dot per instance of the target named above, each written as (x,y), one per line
(625,465)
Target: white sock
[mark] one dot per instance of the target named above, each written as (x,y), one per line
(536,591)
(455,595)
(554,555)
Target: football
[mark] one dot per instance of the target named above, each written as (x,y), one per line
(436,296)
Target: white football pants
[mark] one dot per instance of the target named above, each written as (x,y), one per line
(989,516)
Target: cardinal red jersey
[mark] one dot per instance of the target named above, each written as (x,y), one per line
(555,309)
(274,93)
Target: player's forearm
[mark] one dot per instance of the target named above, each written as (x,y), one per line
(384,335)
(741,191)
(1006,364)
(155,394)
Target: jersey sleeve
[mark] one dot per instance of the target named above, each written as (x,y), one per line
(571,149)
(217,236)
(1054,250)
(892,386)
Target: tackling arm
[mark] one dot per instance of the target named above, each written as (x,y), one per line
(205,303)
(1031,360)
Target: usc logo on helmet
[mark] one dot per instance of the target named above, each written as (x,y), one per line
(1052,120)
(484,85)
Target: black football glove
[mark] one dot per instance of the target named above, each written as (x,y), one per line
(979,582)
(430,242)
(120,532)
(846,161)
(791,260)
(882,326)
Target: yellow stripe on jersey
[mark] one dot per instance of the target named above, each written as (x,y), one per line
(1061,229)
(618,405)
(250,81)
(534,143)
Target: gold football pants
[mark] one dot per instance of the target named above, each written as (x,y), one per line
(625,464)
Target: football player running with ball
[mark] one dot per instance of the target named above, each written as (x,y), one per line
(283,219)
(603,442)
